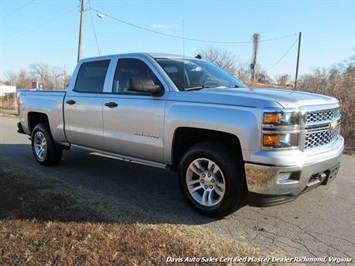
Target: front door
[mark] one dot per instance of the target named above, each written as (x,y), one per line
(134,122)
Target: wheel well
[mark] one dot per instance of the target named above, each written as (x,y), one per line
(184,138)
(35,119)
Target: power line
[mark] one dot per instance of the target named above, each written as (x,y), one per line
(278,38)
(283,55)
(40,26)
(184,38)
(13,12)
(93,27)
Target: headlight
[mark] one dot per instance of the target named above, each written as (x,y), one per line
(280,129)
(289,140)
(276,118)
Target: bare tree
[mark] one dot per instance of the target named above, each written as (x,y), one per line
(221,57)
(24,81)
(11,78)
(20,80)
(57,77)
(282,80)
(41,72)
(264,78)
(243,72)
(50,77)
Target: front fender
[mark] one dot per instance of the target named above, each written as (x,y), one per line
(242,122)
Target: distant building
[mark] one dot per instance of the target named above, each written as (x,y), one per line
(8,96)
(5,89)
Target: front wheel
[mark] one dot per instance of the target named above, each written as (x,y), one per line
(44,148)
(211,176)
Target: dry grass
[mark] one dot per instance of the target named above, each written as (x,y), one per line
(341,85)
(46,222)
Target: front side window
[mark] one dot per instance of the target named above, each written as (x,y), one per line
(190,74)
(91,77)
(128,69)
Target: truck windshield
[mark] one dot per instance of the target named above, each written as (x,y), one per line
(191,74)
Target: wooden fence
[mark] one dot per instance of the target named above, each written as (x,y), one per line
(8,101)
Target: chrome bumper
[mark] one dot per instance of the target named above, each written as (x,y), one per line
(309,172)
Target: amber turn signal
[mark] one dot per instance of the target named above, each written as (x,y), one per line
(271,140)
(272,119)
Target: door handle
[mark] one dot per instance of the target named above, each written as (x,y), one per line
(111,104)
(70,102)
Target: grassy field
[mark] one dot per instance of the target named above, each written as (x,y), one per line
(46,222)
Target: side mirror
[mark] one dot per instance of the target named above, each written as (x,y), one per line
(141,84)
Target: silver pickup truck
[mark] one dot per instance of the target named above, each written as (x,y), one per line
(231,145)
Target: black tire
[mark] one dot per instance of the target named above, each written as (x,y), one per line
(44,148)
(212,178)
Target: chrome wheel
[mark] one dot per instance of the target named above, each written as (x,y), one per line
(40,145)
(211,177)
(205,182)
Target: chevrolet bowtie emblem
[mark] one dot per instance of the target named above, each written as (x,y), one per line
(334,124)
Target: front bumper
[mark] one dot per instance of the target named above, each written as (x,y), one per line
(276,184)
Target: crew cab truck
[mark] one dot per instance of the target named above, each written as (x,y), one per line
(230,144)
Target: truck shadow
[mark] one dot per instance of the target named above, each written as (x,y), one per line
(125,192)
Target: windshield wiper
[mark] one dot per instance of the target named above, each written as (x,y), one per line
(196,88)
(206,86)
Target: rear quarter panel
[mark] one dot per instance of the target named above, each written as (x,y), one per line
(49,103)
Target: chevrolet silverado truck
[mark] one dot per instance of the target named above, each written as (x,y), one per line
(230,145)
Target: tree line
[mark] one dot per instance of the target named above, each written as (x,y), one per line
(48,77)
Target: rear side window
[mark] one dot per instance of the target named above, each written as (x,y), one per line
(91,76)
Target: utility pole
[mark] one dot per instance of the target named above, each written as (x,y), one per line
(298,59)
(254,69)
(82,16)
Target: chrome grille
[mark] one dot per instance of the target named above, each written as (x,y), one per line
(319,130)
(322,115)
(320,138)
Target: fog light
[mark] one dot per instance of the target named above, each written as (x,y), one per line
(285,178)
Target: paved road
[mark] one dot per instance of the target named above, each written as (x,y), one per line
(319,223)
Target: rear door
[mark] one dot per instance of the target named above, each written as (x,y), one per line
(83,105)
(134,121)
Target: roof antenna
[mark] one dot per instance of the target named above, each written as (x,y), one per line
(198,56)
(183,51)
(183,38)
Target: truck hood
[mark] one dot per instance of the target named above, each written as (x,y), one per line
(257,97)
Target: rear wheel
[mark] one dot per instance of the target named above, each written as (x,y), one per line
(211,176)
(44,148)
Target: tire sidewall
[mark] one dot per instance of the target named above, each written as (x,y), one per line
(221,156)
(53,154)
